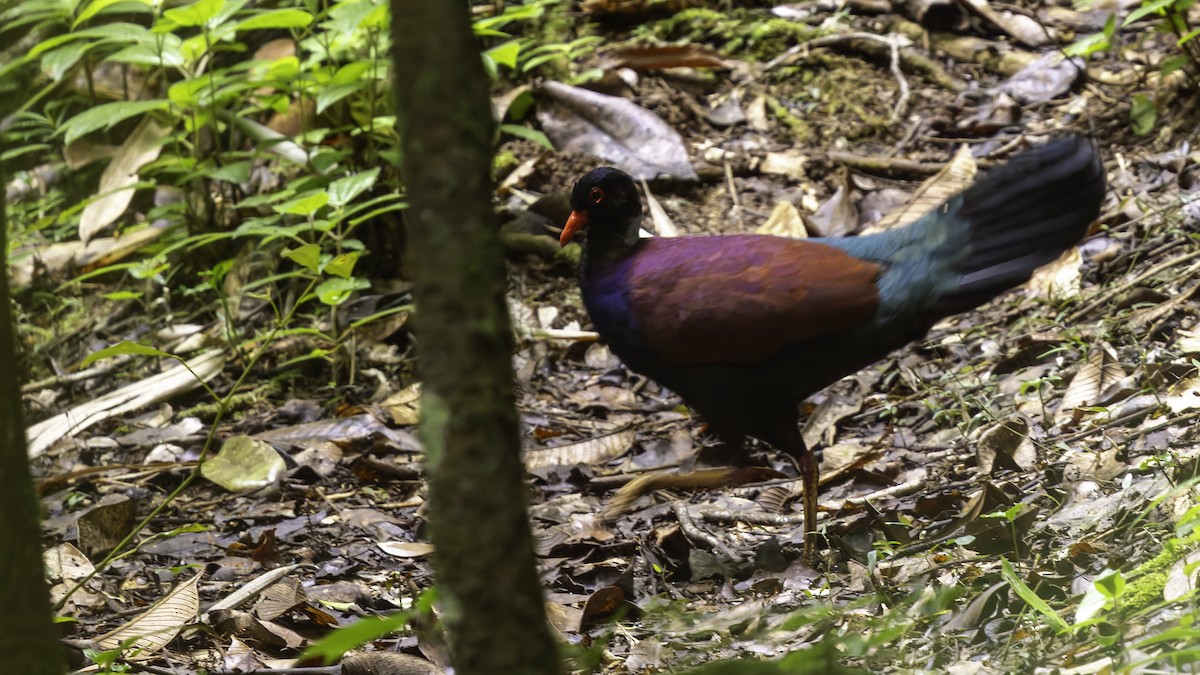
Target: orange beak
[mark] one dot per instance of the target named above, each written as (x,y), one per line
(577,220)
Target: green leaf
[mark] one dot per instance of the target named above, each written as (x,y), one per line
(196,14)
(1146,8)
(1186,37)
(307,256)
(106,115)
(343,190)
(1094,43)
(1032,599)
(1111,583)
(342,265)
(330,648)
(528,134)
(56,62)
(334,292)
(331,94)
(123,295)
(506,54)
(1143,113)
(125,347)
(279,18)
(97,6)
(169,55)
(305,205)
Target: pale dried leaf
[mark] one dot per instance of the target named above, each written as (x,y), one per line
(151,630)
(1184,396)
(1093,382)
(784,164)
(67,563)
(1188,342)
(663,226)
(837,216)
(404,406)
(784,221)
(1058,280)
(154,389)
(406,549)
(592,451)
(955,177)
(116,183)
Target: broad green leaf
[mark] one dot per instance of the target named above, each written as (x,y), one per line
(330,648)
(186,94)
(330,94)
(1030,597)
(237,172)
(196,14)
(279,18)
(56,62)
(1146,8)
(169,55)
(106,115)
(1089,607)
(125,347)
(350,73)
(307,256)
(97,6)
(1111,583)
(341,265)
(334,292)
(506,54)
(304,206)
(346,17)
(343,190)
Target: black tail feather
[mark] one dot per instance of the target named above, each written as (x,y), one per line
(1023,215)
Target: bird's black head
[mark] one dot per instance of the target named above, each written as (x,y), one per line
(606,202)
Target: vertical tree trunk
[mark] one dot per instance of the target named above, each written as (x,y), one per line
(478,520)
(28,641)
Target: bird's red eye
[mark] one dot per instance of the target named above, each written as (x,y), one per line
(596,195)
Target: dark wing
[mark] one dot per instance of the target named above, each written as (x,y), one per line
(742,298)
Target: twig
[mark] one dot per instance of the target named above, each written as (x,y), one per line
(1109,293)
(733,195)
(695,534)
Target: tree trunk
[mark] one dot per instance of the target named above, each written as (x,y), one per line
(28,641)
(484,558)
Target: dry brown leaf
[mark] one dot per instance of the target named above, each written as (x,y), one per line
(612,128)
(1058,280)
(592,451)
(955,177)
(665,56)
(1097,381)
(150,631)
(404,406)
(784,221)
(121,175)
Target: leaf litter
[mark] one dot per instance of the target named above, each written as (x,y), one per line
(1012,461)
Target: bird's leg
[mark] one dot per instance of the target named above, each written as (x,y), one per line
(809,476)
(793,444)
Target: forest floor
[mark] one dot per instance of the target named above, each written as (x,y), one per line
(1013,493)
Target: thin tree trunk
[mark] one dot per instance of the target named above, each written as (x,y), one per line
(484,558)
(28,641)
